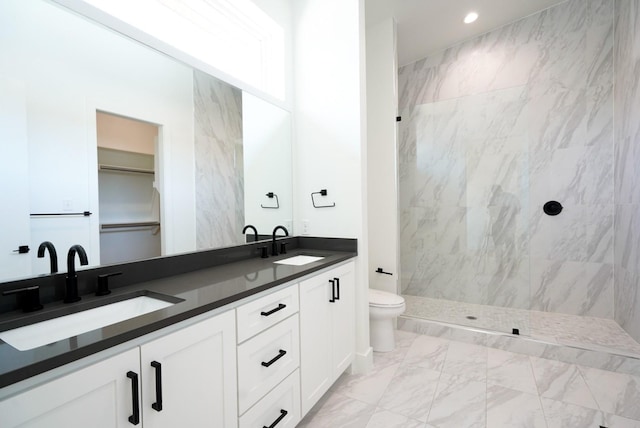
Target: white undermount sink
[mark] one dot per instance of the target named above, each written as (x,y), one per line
(299,260)
(49,331)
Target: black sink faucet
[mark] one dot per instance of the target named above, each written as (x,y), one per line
(71,291)
(53,255)
(274,247)
(255,231)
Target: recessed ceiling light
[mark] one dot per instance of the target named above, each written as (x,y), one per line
(471,16)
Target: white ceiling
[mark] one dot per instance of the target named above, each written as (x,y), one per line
(428,26)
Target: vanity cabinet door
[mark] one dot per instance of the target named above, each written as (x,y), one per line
(343,320)
(327,331)
(97,396)
(315,337)
(197,382)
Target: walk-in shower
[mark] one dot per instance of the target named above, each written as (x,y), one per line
(492,130)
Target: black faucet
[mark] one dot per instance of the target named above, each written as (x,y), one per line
(255,232)
(53,255)
(274,247)
(71,291)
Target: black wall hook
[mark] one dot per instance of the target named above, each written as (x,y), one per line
(272,195)
(322,192)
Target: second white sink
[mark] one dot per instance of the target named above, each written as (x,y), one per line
(299,260)
(49,331)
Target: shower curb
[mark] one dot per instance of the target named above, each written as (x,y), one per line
(604,359)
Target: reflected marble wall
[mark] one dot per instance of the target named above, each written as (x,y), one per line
(491,130)
(627,169)
(219,166)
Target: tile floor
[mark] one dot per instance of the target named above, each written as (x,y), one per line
(430,382)
(588,332)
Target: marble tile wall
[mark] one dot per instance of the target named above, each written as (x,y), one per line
(491,130)
(627,169)
(218,158)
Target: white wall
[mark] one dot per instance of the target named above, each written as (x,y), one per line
(382,182)
(330,132)
(70,68)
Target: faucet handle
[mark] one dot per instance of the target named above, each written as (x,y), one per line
(103,283)
(264,252)
(30,297)
(283,248)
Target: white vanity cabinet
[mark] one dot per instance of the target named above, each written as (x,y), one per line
(198,386)
(327,331)
(198,376)
(97,396)
(268,360)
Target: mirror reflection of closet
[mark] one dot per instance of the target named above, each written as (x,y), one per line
(129,200)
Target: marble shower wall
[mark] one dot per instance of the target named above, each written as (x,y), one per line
(627,163)
(219,167)
(491,130)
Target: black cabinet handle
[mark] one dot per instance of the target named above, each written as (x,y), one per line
(157,406)
(135,418)
(283,413)
(281,354)
(337,288)
(333,291)
(273,311)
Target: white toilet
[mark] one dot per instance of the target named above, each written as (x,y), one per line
(383,308)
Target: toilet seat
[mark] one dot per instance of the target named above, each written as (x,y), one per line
(383,299)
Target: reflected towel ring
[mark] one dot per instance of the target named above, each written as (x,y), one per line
(272,195)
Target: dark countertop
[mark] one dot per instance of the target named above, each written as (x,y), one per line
(201,291)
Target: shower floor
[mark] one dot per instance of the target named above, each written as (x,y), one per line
(585,332)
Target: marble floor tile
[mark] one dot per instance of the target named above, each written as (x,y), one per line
(563,415)
(615,393)
(467,361)
(613,421)
(427,352)
(338,410)
(517,391)
(510,370)
(410,392)
(563,382)
(404,342)
(385,419)
(369,387)
(508,408)
(459,405)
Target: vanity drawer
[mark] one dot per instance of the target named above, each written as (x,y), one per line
(265,360)
(282,402)
(262,313)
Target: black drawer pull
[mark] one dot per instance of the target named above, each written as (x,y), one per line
(273,311)
(337,288)
(333,291)
(135,418)
(281,354)
(157,406)
(283,413)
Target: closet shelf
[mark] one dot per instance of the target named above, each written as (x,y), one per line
(115,168)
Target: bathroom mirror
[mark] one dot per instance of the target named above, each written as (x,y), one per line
(221,157)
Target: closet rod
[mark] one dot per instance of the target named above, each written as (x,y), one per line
(102,167)
(133,224)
